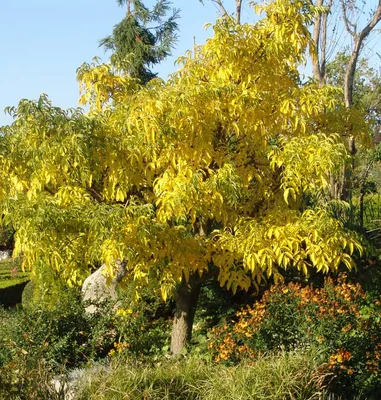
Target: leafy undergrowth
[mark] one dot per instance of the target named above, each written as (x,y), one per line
(286,375)
(11,273)
(296,342)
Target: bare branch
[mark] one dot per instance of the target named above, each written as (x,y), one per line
(222,7)
(358,42)
(238,4)
(316,40)
(323,41)
(351,28)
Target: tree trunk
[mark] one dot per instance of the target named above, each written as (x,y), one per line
(363,192)
(186,301)
(316,37)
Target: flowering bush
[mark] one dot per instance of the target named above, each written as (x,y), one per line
(339,318)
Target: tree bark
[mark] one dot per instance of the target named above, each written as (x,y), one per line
(128,13)
(319,37)
(238,6)
(363,192)
(316,39)
(187,295)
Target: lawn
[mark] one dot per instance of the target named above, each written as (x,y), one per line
(11,273)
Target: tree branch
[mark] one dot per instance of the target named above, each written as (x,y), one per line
(238,8)
(358,42)
(323,41)
(348,24)
(222,8)
(316,39)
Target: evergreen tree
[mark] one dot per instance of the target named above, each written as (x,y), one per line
(143,38)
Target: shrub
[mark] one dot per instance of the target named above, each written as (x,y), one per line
(143,325)
(12,294)
(339,318)
(6,237)
(44,340)
(58,335)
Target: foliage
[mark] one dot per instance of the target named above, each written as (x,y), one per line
(215,304)
(339,318)
(200,176)
(51,338)
(47,290)
(183,164)
(30,382)
(143,325)
(365,175)
(6,237)
(367,84)
(58,336)
(293,375)
(136,45)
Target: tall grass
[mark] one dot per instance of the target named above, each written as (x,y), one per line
(293,375)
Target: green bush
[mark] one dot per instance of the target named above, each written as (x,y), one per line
(48,339)
(143,326)
(59,336)
(6,237)
(339,318)
(12,294)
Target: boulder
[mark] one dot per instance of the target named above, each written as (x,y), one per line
(97,288)
(4,254)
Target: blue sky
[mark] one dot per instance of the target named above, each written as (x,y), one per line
(43,42)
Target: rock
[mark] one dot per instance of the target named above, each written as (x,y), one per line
(4,254)
(97,288)
(66,386)
(60,387)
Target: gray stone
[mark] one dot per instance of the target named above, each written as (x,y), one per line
(66,386)
(4,254)
(97,288)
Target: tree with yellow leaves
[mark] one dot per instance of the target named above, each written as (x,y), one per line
(198,177)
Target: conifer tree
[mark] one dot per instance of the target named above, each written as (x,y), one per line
(143,38)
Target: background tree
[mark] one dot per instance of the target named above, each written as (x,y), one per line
(143,38)
(201,176)
(366,98)
(349,7)
(327,22)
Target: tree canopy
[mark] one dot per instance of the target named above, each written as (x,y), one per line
(203,175)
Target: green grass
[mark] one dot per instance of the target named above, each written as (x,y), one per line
(11,273)
(294,375)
